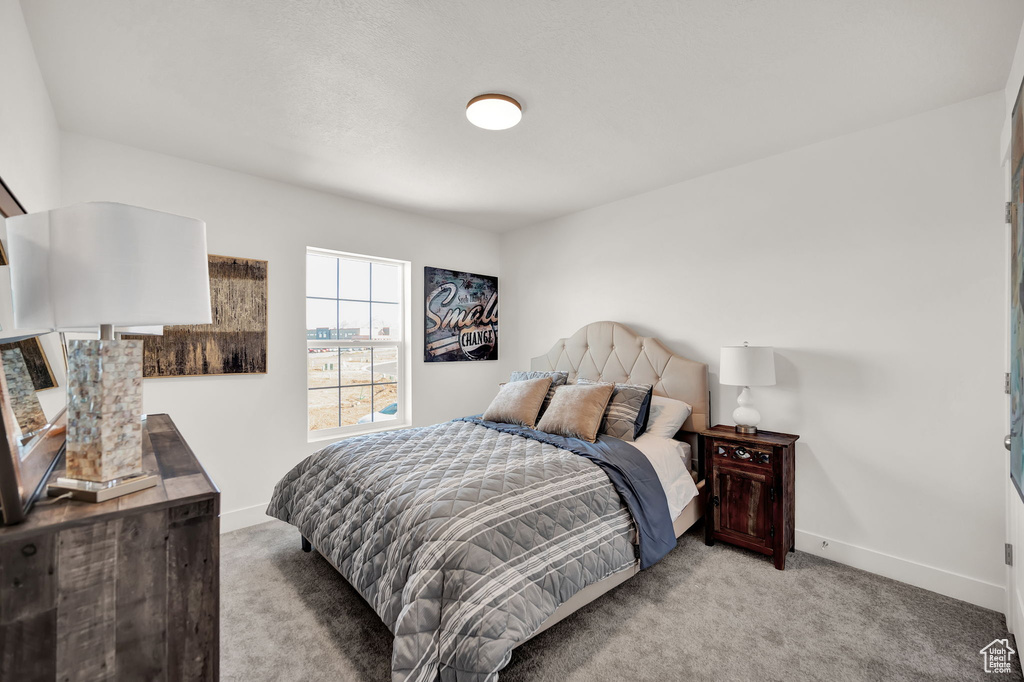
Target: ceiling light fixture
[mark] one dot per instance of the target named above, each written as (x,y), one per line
(493,112)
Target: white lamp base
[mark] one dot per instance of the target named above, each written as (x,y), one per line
(746,415)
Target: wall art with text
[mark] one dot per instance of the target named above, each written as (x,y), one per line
(460,316)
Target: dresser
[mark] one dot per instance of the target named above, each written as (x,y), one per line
(127,589)
(751,478)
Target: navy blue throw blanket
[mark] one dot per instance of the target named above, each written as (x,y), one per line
(632,475)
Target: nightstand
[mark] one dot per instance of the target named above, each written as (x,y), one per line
(751,479)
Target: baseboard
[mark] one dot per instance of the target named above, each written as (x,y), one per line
(240,518)
(988,595)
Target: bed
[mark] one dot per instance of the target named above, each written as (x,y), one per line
(610,351)
(469,538)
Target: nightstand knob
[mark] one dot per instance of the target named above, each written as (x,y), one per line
(715,501)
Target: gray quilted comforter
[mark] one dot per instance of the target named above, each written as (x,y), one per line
(463,538)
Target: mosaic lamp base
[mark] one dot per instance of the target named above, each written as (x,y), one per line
(104,436)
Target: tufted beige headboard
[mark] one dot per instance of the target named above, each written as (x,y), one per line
(609,351)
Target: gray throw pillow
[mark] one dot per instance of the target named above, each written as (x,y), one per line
(626,415)
(557,379)
(518,402)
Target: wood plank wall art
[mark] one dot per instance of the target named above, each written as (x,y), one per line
(236,342)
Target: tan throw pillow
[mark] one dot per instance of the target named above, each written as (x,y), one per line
(557,379)
(518,402)
(576,411)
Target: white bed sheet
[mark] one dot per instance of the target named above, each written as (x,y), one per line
(671,461)
(686,454)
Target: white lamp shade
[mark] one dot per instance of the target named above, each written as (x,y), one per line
(747,366)
(106,263)
(8,333)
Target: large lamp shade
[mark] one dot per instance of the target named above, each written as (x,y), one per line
(747,366)
(107,264)
(8,333)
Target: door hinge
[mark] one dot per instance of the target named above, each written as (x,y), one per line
(1006,383)
(1008,214)
(772,531)
(1009,554)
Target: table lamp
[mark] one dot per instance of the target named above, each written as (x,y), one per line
(100,266)
(746,366)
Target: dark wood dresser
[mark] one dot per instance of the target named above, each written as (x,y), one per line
(127,589)
(751,478)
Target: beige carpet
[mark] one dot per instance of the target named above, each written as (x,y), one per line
(702,613)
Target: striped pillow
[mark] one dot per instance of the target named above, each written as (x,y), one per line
(626,415)
(557,379)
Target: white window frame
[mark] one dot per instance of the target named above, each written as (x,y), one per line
(403,417)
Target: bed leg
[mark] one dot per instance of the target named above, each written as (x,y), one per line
(306,544)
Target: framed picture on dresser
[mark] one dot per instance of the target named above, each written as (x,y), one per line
(28,450)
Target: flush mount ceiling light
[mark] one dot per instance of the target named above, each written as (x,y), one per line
(493,112)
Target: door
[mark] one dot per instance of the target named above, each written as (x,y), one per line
(1017,301)
(743,509)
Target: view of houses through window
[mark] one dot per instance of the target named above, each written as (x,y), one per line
(354,339)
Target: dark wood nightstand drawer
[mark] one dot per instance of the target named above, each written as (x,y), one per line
(741,452)
(741,504)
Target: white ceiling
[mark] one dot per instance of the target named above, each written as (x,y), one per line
(366,99)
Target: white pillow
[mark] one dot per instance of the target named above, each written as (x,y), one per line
(667,416)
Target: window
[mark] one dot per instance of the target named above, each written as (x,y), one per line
(355,342)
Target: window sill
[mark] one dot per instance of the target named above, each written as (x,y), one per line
(320,437)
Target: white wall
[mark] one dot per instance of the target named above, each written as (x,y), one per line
(29,151)
(249,430)
(874,264)
(29,136)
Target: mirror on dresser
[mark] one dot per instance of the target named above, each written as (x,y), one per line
(32,395)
